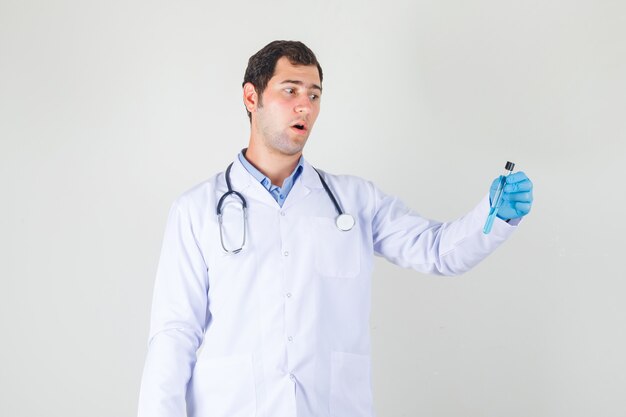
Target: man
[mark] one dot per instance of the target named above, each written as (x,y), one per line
(278,294)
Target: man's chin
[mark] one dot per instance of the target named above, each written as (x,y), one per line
(291,151)
(289,146)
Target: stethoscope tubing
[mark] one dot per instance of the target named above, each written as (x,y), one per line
(230,192)
(330,194)
(343,221)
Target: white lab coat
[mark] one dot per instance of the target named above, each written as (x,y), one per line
(284,325)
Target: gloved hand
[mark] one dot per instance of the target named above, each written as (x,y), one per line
(517,196)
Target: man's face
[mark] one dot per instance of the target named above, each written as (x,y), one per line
(289,107)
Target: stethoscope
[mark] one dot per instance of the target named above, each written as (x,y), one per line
(343,221)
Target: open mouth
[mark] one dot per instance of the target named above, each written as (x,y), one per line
(299,128)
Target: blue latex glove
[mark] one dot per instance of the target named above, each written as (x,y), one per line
(517,196)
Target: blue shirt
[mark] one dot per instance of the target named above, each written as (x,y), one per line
(279,193)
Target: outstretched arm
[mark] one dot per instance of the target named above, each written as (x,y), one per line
(412,241)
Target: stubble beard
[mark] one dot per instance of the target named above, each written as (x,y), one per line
(281,142)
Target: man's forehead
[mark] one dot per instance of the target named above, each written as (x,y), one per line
(285,71)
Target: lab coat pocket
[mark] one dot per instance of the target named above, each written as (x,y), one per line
(337,252)
(350,386)
(222,387)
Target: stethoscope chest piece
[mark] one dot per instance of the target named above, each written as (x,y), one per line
(344,222)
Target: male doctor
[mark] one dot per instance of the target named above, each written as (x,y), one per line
(278,294)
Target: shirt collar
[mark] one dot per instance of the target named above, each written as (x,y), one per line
(264,180)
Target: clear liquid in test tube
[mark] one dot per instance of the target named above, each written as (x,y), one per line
(497,198)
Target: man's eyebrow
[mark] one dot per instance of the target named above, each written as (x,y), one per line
(297,82)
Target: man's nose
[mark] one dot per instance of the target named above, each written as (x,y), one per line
(303,105)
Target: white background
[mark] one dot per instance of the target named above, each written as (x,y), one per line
(110,110)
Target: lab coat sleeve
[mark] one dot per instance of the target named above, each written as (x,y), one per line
(412,241)
(179,313)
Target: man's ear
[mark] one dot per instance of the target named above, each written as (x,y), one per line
(250,97)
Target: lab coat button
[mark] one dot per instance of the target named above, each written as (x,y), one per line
(286,253)
(292,377)
(282,213)
(290,338)
(288,295)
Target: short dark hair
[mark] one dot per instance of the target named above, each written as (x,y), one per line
(261,65)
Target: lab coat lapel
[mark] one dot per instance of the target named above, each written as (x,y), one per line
(307,181)
(246,184)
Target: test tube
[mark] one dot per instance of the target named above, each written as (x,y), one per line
(497,198)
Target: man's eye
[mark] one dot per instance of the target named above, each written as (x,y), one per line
(289,90)
(314,97)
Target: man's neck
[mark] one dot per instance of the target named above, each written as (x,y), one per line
(277,167)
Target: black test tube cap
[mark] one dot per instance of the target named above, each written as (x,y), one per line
(509,166)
